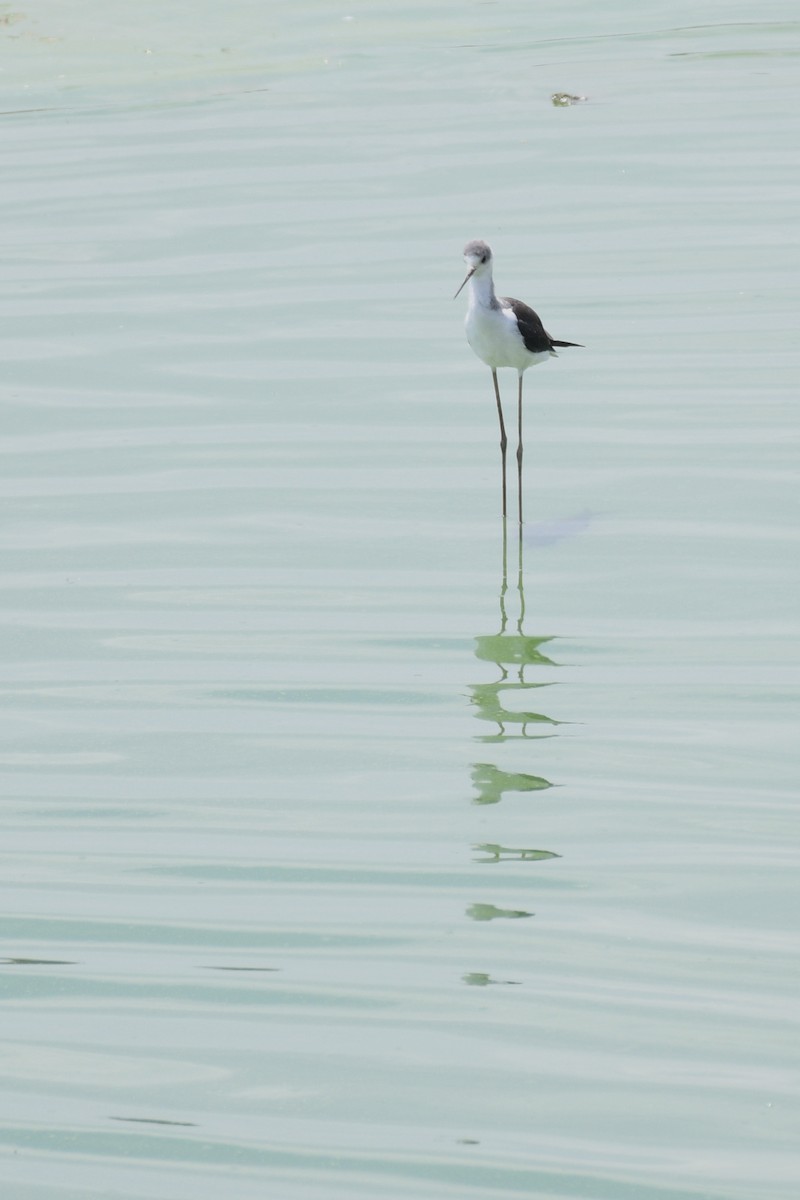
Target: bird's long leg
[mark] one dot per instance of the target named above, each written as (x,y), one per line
(519,446)
(503,438)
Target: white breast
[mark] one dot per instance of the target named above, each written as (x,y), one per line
(494,336)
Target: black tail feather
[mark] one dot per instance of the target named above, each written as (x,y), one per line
(578,344)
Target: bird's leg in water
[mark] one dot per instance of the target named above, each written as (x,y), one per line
(519,446)
(503,438)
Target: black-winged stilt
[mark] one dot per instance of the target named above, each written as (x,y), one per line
(503,333)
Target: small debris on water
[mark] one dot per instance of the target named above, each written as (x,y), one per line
(565,99)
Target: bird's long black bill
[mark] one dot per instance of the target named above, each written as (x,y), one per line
(468,277)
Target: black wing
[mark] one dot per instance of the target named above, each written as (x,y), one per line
(536,338)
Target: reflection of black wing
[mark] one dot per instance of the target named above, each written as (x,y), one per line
(536,338)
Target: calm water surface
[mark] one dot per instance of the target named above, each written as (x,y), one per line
(353,845)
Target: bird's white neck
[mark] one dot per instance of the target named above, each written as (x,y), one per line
(481,290)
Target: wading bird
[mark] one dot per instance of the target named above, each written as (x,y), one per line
(503,333)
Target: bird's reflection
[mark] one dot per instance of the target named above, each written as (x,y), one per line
(516,655)
(493,852)
(491,783)
(513,652)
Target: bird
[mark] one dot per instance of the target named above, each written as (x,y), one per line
(503,332)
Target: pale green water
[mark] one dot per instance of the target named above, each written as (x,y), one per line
(328,871)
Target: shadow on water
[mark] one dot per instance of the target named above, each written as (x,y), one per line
(516,655)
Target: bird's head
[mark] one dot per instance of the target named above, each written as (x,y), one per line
(478,257)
